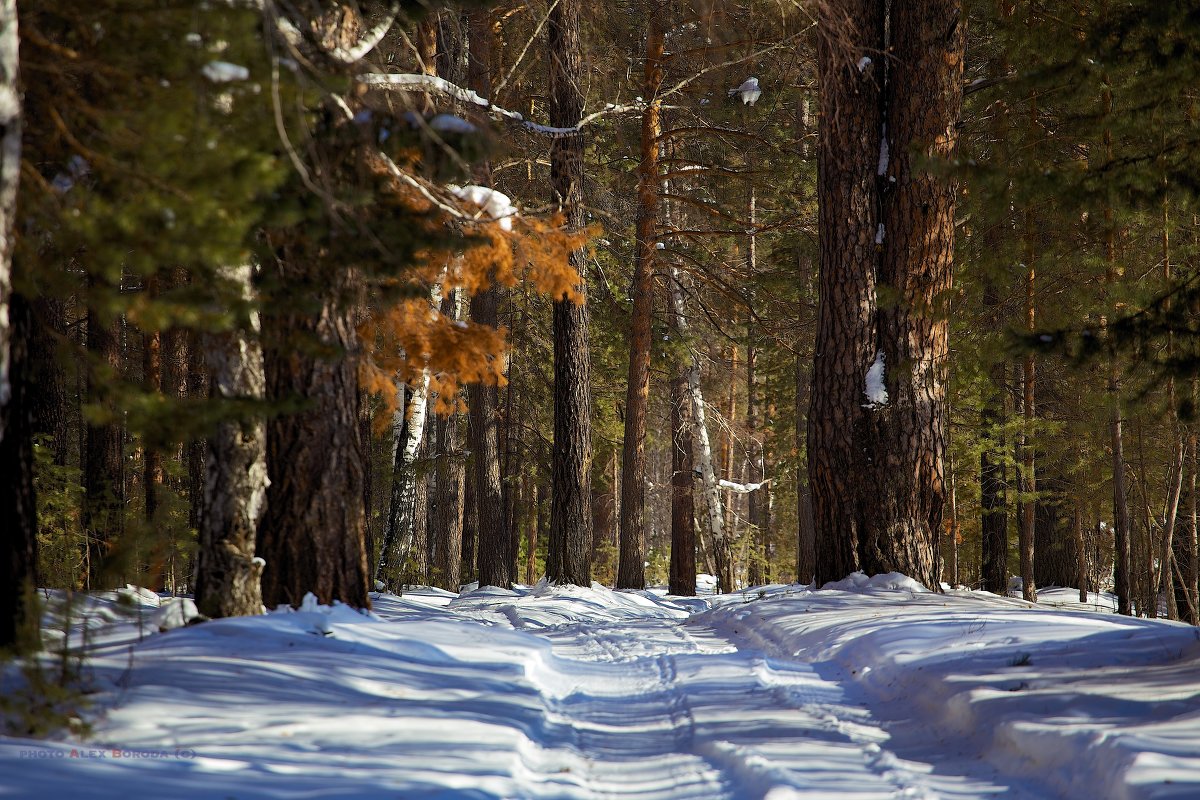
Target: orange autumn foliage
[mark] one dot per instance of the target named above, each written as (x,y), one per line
(405,339)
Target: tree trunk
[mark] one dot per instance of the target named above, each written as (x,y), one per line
(570,546)
(682,578)
(104,464)
(757,568)
(197,450)
(470,538)
(494,540)
(313,533)
(631,572)
(228,573)
(399,539)
(18,504)
(877,468)
(711,489)
(806,535)
(1056,561)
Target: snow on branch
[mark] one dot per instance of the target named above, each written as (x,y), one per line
(742,488)
(414,82)
(367,43)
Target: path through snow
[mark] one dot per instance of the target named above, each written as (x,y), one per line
(867,692)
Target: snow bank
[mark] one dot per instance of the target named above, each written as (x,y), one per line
(1086,704)
(857,581)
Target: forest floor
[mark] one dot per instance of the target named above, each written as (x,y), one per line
(873,689)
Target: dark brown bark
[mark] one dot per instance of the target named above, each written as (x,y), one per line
(312,534)
(104,463)
(851,126)
(18,502)
(447,531)
(570,547)
(631,572)
(228,573)
(1056,558)
(493,536)
(894,225)
(682,578)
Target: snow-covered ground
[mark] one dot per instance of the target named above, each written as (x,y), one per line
(872,689)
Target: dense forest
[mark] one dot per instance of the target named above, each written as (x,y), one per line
(339,297)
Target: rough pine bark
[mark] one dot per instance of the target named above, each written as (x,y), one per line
(848,218)
(631,573)
(569,545)
(447,529)
(228,573)
(312,535)
(877,469)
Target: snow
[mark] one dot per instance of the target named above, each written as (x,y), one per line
(871,687)
(496,205)
(224,72)
(863,63)
(448,123)
(880,233)
(876,390)
(884,154)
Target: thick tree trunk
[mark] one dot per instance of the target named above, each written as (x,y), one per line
(630,565)
(18,502)
(876,464)
(104,463)
(1056,561)
(313,533)
(447,528)
(570,546)
(18,505)
(228,573)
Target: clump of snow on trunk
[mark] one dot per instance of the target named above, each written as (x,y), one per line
(875,389)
